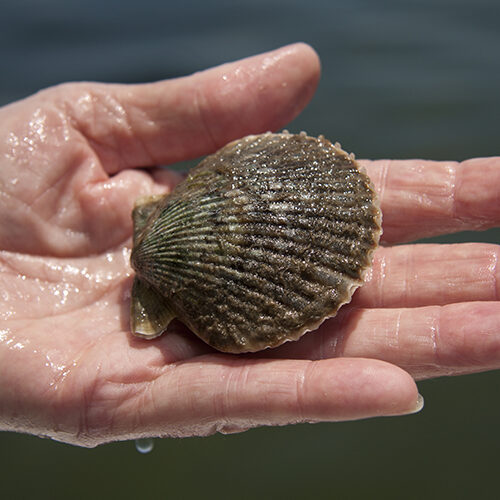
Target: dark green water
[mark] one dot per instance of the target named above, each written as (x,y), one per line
(400,79)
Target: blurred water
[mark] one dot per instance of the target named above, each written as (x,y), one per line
(400,78)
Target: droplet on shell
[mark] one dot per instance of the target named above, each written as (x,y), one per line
(262,242)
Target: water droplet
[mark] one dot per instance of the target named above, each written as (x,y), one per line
(144,445)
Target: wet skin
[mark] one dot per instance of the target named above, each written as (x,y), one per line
(71,160)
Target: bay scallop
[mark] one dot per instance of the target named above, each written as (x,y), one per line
(262,242)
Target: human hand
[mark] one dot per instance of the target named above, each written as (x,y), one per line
(70,369)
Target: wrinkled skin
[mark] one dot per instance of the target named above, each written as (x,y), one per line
(70,369)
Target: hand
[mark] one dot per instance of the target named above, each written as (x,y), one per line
(70,369)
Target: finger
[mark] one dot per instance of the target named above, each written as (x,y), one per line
(165,178)
(421,275)
(229,394)
(422,198)
(425,341)
(172,120)
(107,205)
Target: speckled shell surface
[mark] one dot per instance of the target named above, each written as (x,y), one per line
(263,240)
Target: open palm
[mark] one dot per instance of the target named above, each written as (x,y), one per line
(69,176)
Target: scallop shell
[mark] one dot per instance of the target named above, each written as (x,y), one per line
(262,242)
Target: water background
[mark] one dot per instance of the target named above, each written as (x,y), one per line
(400,79)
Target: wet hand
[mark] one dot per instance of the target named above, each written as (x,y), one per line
(69,177)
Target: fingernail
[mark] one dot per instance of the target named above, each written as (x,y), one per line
(418,405)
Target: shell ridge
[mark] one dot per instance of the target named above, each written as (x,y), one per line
(230,275)
(172,217)
(305,300)
(263,241)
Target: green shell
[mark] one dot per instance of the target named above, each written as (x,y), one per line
(263,241)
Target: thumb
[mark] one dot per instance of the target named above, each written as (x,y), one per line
(173,120)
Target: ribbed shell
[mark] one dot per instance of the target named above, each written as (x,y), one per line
(262,241)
